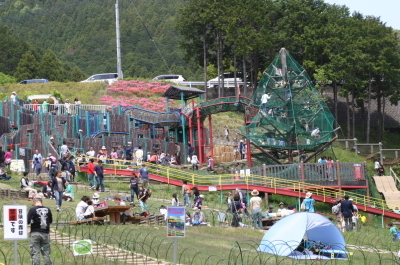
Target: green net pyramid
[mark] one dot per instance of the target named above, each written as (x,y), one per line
(295,109)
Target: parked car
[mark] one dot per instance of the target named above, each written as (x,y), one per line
(171,78)
(229,80)
(109,77)
(30,81)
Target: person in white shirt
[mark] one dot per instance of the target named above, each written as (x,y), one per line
(195,162)
(255,209)
(13,96)
(281,207)
(81,208)
(67,106)
(89,213)
(264,101)
(64,149)
(139,155)
(377,165)
(315,133)
(91,152)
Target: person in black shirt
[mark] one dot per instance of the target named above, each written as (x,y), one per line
(99,173)
(347,210)
(40,218)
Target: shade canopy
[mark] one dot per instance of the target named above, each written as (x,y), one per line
(175,92)
(285,236)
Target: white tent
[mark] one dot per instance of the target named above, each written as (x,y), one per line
(285,236)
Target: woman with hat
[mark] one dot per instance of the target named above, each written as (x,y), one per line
(255,209)
(308,203)
(95,199)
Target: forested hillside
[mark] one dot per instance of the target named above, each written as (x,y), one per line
(83,32)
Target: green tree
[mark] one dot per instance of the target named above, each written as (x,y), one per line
(50,67)
(27,67)
(6,79)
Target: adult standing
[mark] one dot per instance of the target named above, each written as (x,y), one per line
(37,155)
(347,210)
(264,101)
(7,158)
(242,149)
(309,203)
(134,186)
(40,218)
(144,175)
(45,106)
(71,168)
(226,132)
(64,150)
(139,155)
(13,97)
(37,165)
(2,153)
(67,106)
(376,166)
(195,162)
(255,208)
(235,209)
(58,187)
(129,151)
(120,153)
(25,186)
(236,154)
(336,210)
(91,167)
(178,154)
(186,194)
(99,173)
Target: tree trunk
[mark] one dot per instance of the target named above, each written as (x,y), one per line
(348,116)
(221,64)
(244,77)
(235,73)
(335,100)
(353,113)
(379,110)
(205,63)
(369,111)
(362,106)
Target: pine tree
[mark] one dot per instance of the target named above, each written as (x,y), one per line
(27,67)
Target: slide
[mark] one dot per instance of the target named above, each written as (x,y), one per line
(387,186)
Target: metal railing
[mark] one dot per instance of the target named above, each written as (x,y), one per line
(62,109)
(275,183)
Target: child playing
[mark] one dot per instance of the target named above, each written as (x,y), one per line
(393,231)
(69,194)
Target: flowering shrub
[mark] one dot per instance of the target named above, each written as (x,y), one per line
(146,95)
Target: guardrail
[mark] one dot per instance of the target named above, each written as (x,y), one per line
(211,83)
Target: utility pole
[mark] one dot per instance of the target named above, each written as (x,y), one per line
(119,67)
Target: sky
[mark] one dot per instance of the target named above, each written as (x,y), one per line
(387,10)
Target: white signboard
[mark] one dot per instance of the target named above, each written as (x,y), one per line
(82,247)
(17,165)
(212,188)
(15,222)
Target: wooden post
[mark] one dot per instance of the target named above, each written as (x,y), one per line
(380,153)
(302,176)
(264,168)
(366,179)
(355,146)
(339,178)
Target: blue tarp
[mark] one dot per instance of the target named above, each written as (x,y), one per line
(285,236)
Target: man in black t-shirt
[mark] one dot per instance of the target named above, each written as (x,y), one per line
(40,218)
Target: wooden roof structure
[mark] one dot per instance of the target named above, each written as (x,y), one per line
(174,92)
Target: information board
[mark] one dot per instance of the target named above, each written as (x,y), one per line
(176,221)
(15,221)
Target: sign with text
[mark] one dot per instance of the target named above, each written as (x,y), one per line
(176,221)
(82,247)
(15,222)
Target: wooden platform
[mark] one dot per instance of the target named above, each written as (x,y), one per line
(387,186)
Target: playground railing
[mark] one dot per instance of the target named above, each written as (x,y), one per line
(250,181)
(62,109)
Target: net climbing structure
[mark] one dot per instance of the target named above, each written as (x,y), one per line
(296,116)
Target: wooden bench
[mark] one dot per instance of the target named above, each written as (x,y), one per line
(94,221)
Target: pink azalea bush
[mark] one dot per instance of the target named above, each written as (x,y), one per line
(145,95)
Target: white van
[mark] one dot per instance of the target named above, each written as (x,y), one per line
(229,80)
(109,77)
(170,78)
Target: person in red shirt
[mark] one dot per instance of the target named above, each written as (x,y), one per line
(154,158)
(91,167)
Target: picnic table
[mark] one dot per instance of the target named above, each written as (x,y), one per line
(114,211)
(269,221)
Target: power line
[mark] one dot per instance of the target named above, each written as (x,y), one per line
(151,37)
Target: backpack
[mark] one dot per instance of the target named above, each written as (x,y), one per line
(336,209)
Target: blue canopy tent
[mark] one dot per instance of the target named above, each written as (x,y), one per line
(284,237)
